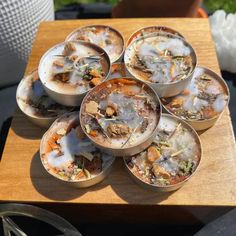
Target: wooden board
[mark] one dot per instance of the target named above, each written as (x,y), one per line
(23,179)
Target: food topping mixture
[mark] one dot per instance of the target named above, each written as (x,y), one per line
(160,59)
(34,100)
(121,113)
(76,68)
(84,72)
(172,157)
(204,98)
(71,156)
(104,37)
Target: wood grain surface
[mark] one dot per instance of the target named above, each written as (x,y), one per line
(23,178)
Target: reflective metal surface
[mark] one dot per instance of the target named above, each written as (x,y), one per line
(173,187)
(162,89)
(124,151)
(63,98)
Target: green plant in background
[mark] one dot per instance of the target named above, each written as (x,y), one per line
(228,6)
(60,3)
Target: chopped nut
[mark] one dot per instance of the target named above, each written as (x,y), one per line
(61,131)
(95,73)
(69,48)
(95,81)
(208,112)
(102,44)
(205,77)
(153,154)
(113,105)
(110,111)
(58,63)
(160,171)
(177,103)
(116,130)
(91,107)
(53,145)
(73,57)
(185,92)
(63,77)
(83,37)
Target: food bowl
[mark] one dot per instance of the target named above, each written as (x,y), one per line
(118,70)
(120,116)
(70,69)
(202,102)
(104,36)
(152,30)
(165,61)
(33,101)
(68,155)
(170,160)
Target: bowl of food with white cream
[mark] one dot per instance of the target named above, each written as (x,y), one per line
(70,69)
(202,102)
(164,61)
(67,154)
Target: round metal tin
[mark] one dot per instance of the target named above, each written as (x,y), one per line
(69,118)
(65,98)
(119,57)
(207,123)
(163,89)
(173,187)
(42,121)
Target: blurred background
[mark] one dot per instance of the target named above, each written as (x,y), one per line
(82,8)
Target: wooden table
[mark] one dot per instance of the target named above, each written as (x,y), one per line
(23,179)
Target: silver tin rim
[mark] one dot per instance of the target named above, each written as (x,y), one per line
(158,28)
(172,187)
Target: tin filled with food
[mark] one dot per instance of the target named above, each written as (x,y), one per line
(35,103)
(202,102)
(164,61)
(104,36)
(68,155)
(171,159)
(70,69)
(121,116)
